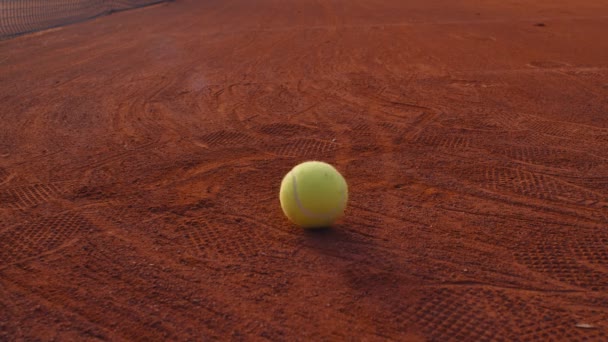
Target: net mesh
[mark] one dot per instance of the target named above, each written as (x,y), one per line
(23,16)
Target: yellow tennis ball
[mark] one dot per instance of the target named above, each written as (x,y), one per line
(313,194)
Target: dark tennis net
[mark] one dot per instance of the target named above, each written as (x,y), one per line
(23,16)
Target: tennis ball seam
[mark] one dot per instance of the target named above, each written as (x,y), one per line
(309,213)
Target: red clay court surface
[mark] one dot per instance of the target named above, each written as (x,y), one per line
(141,155)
